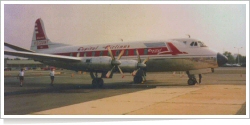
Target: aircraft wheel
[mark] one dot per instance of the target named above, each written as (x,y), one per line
(95,83)
(191,82)
(100,82)
(138,79)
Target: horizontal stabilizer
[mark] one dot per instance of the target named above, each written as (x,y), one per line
(42,57)
(17,48)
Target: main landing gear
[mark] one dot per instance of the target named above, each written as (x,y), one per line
(140,76)
(96,82)
(138,79)
(192,80)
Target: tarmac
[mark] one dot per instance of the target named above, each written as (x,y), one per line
(166,93)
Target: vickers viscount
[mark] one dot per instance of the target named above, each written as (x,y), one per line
(138,57)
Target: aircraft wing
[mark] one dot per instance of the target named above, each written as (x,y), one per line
(42,57)
(17,48)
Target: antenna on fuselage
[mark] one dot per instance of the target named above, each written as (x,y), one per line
(188,35)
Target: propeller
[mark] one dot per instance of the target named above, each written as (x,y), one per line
(115,62)
(140,65)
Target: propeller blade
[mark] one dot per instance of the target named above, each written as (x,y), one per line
(110,53)
(120,55)
(134,72)
(145,60)
(138,56)
(120,71)
(109,72)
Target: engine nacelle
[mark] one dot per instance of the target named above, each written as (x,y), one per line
(128,65)
(96,63)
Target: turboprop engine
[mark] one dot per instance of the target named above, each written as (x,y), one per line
(97,63)
(128,65)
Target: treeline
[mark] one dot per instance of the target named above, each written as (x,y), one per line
(16,58)
(232,60)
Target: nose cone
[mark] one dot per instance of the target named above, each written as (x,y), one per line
(221,59)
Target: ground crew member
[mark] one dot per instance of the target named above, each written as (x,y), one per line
(52,76)
(21,77)
(200,78)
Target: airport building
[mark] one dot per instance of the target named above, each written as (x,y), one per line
(18,64)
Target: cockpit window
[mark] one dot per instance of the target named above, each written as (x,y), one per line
(193,44)
(201,44)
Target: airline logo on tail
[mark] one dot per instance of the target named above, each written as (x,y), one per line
(41,40)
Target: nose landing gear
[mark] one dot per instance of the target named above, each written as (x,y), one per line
(192,80)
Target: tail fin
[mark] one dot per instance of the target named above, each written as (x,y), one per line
(40,40)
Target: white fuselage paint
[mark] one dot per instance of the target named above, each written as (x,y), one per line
(178,55)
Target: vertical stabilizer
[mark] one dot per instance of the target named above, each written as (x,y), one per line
(40,41)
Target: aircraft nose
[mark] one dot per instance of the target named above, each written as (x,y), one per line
(221,59)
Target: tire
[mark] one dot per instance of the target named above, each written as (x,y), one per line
(191,82)
(95,83)
(100,82)
(137,79)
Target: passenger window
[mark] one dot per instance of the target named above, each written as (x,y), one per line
(145,51)
(71,54)
(126,52)
(93,53)
(135,52)
(117,52)
(101,52)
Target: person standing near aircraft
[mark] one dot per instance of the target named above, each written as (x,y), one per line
(200,78)
(21,77)
(52,76)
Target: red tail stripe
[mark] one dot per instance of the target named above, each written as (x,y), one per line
(40,34)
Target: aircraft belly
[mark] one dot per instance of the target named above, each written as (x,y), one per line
(153,65)
(180,64)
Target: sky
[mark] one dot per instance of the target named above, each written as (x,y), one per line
(222,27)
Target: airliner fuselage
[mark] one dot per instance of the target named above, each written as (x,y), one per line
(136,57)
(170,55)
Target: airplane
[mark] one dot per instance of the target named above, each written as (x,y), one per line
(181,54)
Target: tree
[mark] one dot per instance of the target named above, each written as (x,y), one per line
(230,57)
(6,58)
(17,59)
(242,59)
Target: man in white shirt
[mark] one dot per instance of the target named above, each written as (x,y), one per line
(21,77)
(52,76)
